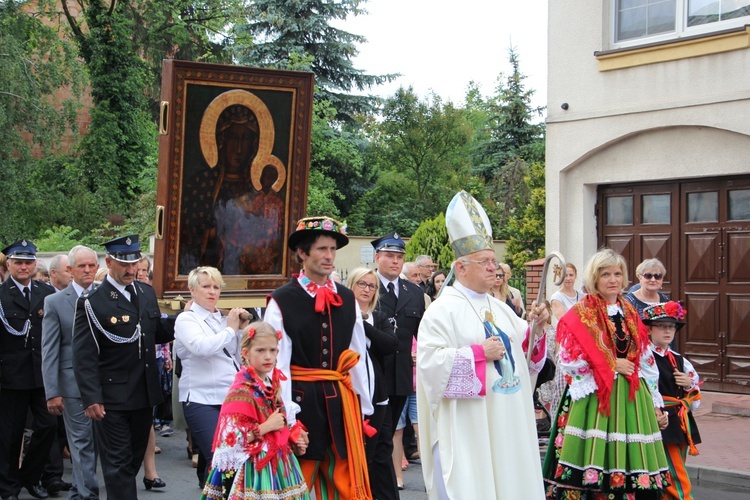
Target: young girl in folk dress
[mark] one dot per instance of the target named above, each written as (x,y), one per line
(253,446)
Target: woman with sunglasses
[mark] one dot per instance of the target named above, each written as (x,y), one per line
(650,274)
(501,292)
(381,341)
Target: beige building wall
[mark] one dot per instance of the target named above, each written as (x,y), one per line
(679,119)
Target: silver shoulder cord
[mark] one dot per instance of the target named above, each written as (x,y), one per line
(91,329)
(13,331)
(111,336)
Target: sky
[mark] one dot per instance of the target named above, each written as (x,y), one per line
(441,46)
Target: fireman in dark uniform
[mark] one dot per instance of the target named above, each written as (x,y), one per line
(21,385)
(116,328)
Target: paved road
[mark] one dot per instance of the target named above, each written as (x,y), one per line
(182,484)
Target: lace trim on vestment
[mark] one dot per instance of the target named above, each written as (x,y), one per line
(463,382)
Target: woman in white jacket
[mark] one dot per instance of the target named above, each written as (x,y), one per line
(208,347)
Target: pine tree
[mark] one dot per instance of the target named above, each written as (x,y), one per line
(512,141)
(510,123)
(287,31)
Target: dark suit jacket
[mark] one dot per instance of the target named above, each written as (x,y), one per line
(21,356)
(57,344)
(120,375)
(407,313)
(383,342)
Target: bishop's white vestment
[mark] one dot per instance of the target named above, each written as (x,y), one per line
(479,434)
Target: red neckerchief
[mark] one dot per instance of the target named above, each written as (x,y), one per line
(586,331)
(325,295)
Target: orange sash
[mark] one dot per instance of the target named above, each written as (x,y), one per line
(355,450)
(685,404)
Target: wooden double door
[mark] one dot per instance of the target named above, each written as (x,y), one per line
(700,230)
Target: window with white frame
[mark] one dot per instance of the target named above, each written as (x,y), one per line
(643,21)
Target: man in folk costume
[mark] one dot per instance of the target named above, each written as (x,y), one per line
(322,339)
(476,418)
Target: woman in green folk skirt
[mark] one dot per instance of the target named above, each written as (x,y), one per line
(606,439)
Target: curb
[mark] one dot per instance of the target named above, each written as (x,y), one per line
(740,479)
(726,408)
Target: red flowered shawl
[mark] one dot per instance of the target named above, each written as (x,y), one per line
(249,402)
(587,332)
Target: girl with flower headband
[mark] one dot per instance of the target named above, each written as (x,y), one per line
(680,388)
(253,450)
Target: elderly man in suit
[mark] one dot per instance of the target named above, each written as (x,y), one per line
(116,328)
(63,396)
(22,390)
(403,302)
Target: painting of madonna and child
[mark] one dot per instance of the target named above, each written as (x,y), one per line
(242,151)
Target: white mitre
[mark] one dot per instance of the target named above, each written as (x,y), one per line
(469,228)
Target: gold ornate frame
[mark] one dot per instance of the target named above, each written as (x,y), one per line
(193,97)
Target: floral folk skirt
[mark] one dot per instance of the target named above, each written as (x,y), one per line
(620,456)
(281,481)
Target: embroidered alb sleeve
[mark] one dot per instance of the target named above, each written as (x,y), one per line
(577,374)
(463,382)
(650,373)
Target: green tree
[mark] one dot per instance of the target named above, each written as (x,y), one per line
(36,63)
(338,171)
(527,231)
(431,238)
(285,31)
(423,146)
(321,195)
(510,141)
(510,123)
(58,239)
(122,136)
(386,207)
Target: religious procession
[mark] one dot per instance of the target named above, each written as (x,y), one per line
(237,266)
(310,395)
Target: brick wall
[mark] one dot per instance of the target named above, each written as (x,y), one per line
(533,279)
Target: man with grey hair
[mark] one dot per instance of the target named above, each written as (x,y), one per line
(474,397)
(63,396)
(426,267)
(59,275)
(411,272)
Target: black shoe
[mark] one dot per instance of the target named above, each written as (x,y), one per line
(153,483)
(57,485)
(36,490)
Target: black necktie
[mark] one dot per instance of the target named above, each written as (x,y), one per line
(391,291)
(27,294)
(133,297)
